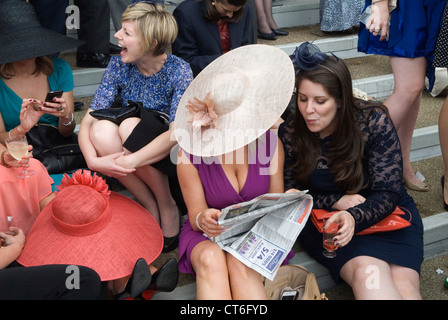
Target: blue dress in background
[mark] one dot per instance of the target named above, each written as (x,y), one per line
(414,26)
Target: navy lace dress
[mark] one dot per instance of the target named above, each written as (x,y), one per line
(385,191)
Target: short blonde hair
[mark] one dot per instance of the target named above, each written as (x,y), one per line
(153,23)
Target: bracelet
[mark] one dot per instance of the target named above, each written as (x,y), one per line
(197,221)
(70,122)
(3,160)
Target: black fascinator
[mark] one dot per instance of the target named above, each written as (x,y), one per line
(307,57)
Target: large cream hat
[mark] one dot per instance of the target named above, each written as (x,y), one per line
(243,93)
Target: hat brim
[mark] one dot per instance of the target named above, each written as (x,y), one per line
(33,42)
(271,76)
(112,252)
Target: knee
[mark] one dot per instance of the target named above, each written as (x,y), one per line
(411,90)
(104,137)
(407,282)
(361,271)
(210,262)
(237,268)
(127,126)
(101,131)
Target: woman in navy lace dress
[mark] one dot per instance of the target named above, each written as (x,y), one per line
(131,151)
(346,152)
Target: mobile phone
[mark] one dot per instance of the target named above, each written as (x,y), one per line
(53,94)
(289,295)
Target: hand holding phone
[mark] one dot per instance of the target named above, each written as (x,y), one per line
(53,94)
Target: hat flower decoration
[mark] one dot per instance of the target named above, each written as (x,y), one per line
(85,178)
(202,113)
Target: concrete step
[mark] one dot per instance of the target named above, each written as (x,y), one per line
(295,13)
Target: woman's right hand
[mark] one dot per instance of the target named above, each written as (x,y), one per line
(30,113)
(379,19)
(208,222)
(348,201)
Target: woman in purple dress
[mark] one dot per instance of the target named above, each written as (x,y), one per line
(229,155)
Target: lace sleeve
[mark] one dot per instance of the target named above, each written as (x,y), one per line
(286,135)
(385,169)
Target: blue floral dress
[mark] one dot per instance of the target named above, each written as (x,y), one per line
(385,190)
(161,91)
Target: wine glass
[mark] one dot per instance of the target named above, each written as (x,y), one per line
(18,148)
(329,232)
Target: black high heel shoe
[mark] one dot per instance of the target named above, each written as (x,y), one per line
(267,36)
(443,193)
(140,280)
(164,279)
(280,32)
(170,243)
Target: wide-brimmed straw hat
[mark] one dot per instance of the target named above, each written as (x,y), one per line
(234,100)
(87,224)
(22,36)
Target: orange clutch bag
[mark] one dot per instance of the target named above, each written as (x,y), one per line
(398,219)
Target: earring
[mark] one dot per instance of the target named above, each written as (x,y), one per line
(213,3)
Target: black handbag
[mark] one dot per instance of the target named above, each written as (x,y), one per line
(57,153)
(117,115)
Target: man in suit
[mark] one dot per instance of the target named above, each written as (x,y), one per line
(210,28)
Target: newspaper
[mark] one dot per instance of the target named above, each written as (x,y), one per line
(261,232)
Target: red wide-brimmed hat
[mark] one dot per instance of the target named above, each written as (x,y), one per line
(87,224)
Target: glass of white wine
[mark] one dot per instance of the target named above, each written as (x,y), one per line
(18,148)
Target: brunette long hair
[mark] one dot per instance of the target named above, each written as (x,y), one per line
(345,154)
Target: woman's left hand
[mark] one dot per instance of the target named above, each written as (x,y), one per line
(125,161)
(346,224)
(58,107)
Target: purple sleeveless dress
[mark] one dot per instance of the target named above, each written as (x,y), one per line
(219,193)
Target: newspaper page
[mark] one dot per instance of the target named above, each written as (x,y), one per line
(261,232)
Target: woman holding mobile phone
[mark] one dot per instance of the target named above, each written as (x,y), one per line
(28,73)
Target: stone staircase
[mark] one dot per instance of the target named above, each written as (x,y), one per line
(296,14)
